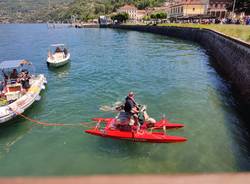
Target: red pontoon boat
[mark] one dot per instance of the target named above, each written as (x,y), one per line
(113,128)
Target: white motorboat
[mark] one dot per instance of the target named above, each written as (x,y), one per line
(19,88)
(59,57)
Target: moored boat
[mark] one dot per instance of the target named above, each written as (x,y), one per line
(59,57)
(20,88)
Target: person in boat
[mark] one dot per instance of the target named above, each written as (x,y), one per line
(6,78)
(150,121)
(58,49)
(132,108)
(21,74)
(14,76)
(50,55)
(65,52)
(25,79)
(1,87)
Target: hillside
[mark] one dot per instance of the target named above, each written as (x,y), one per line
(88,9)
(62,10)
(29,10)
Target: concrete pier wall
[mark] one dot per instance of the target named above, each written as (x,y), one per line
(231,55)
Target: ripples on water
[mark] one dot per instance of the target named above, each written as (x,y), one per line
(171,76)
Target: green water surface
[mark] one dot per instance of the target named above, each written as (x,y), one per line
(173,77)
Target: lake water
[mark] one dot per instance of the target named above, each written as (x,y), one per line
(173,77)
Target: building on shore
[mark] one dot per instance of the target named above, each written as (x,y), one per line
(181,9)
(131,10)
(217,8)
(198,8)
(137,15)
(141,14)
(149,11)
(187,8)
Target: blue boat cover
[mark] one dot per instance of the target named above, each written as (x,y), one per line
(13,63)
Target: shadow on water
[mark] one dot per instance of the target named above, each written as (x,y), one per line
(10,126)
(117,148)
(10,123)
(240,126)
(11,132)
(14,130)
(60,71)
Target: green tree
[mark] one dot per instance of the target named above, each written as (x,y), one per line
(63,10)
(240,6)
(120,17)
(146,18)
(153,16)
(160,15)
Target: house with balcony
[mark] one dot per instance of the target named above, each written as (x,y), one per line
(198,8)
(217,8)
(131,10)
(187,8)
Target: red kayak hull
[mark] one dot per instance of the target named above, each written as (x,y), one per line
(141,136)
(158,125)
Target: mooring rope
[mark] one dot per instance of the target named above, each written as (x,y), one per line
(50,124)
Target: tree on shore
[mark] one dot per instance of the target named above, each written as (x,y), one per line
(64,10)
(120,17)
(146,18)
(142,4)
(160,15)
(241,6)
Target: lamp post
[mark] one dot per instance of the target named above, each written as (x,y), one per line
(234,6)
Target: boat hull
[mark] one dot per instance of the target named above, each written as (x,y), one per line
(58,63)
(141,136)
(8,112)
